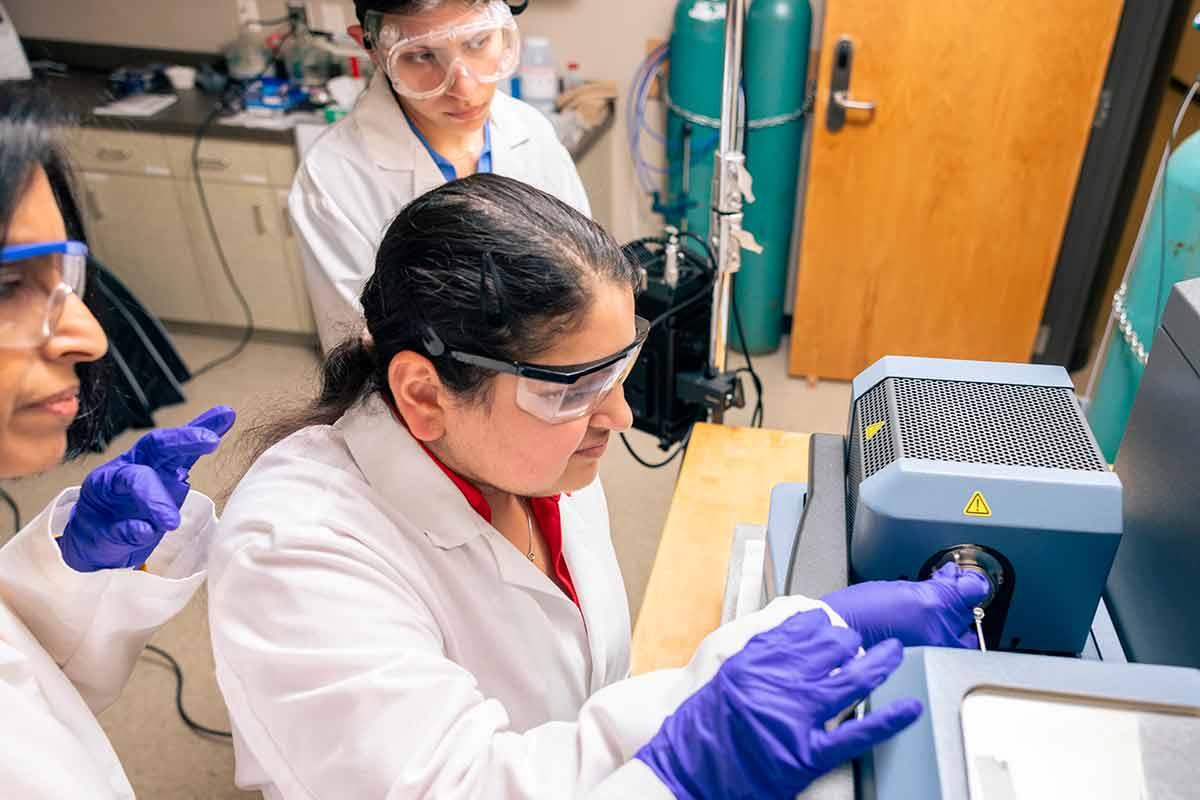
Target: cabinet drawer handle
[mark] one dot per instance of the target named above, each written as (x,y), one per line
(260,224)
(287,224)
(217,164)
(113,154)
(97,214)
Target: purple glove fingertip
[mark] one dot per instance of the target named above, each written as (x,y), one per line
(854,737)
(218,419)
(970,584)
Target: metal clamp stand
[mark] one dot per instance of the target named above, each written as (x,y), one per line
(731,182)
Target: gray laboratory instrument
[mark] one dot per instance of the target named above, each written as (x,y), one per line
(993,466)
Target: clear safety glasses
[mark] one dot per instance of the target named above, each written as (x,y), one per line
(423,63)
(35,282)
(557,394)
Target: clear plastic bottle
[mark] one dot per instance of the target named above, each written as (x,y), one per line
(539,78)
(574,77)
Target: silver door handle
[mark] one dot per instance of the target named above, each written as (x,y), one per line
(843,100)
(260,224)
(113,154)
(214,164)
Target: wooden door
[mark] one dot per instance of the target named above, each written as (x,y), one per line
(932,225)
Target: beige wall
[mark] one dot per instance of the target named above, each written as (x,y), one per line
(178,25)
(607,37)
(170,24)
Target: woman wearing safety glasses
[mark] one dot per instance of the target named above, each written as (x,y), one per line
(414,592)
(85,584)
(431,114)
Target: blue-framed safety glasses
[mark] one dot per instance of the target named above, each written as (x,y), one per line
(35,282)
(557,394)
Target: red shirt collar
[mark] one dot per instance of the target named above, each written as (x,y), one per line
(469,490)
(545,510)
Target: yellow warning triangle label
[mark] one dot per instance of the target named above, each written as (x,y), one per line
(977,506)
(873,429)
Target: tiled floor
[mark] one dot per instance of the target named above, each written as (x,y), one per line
(164,759)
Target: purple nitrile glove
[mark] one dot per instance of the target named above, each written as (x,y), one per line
(932,613)
(127,505)
(757,729)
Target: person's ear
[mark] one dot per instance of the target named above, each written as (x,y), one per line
(419,395)
(364,41)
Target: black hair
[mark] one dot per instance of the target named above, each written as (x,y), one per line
(489,265)
(361,7)
(31,126)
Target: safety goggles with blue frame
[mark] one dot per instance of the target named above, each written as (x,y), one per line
(36,280)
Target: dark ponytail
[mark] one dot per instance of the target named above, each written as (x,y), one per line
(491,265)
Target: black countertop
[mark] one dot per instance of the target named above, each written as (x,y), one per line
(81,91)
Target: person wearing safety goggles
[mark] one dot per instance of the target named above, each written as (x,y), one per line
(431,114)
(414,591)
(86,583)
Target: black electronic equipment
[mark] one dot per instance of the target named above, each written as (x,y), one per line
(678,343)
(672,386)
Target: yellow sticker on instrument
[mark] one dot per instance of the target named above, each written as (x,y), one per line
(977,506)
(874,429)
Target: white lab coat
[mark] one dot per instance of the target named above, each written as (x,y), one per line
(365,168)
(68,643)
(374,637)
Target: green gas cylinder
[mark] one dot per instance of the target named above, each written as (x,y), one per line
(1149,283)
(775,77)
(694,90)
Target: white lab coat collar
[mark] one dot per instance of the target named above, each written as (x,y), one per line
(398,469)
(393,145)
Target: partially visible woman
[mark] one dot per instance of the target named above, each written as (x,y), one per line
(85,584)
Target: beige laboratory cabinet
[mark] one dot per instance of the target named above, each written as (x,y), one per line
(145,222)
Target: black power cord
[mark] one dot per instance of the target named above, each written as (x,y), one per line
(194,726)
(7,498)
(682,448)
(756,418)
(681,307)
(247,313)
(248,330)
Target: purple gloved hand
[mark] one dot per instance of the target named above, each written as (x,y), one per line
(127,505)
(932,613)
(757,729)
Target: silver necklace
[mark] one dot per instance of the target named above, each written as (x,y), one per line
(529,522)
